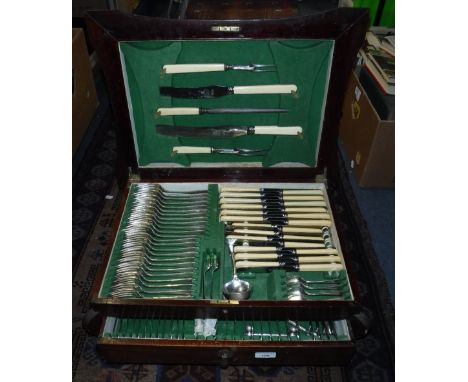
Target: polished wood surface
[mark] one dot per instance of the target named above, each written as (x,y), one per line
(241,9)
(205,352)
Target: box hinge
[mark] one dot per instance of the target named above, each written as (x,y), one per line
(133,177)
(322,178)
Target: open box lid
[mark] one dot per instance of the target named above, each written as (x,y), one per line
(314,52)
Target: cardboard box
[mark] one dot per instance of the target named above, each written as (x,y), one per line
(369,141)
(85,101)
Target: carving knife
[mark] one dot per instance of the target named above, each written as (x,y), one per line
(226,131)
(220,91)
(165,111)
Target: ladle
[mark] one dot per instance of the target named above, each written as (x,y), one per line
(236,289)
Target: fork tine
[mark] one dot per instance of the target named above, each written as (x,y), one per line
(264,68)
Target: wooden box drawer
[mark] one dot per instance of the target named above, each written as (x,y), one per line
(230,346)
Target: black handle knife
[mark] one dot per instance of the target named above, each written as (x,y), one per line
(220,91)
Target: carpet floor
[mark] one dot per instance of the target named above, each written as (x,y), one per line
(95,201)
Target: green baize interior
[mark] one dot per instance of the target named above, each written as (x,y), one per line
(304,63)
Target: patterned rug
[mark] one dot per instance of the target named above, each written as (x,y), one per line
(95,201)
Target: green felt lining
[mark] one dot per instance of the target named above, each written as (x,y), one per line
(305,63)
(176,329)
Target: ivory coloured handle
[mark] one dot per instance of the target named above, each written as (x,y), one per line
(191,150)
(319,259)
(265,89)
(164,111)
(192,68)
(308,216)
(321,267)
(314,223)
(257,264)
(277,130)
(302,230)
(255,256)
(245,237)
(248,248)
(299,244)
(321,251)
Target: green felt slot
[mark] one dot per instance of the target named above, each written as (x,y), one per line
(210,244)
(304,63)
(263,330)
(115,255)
(321,276)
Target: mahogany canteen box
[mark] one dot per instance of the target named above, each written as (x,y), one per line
(79,7)
(84,97)
(368,140)
(225,238)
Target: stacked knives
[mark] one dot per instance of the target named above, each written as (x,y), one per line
(272,228)
(215,91)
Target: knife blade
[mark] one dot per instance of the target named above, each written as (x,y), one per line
(166,111)
(220,91)
(226,131)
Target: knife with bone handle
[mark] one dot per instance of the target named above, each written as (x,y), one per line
(299,222)
(166,111)
(279,242)
(258,205)
(306,237)
(269,214)
(216,91)
(226,210)
(271,200)
(265,195)
(214,150)
(269,229)
(271,190)
(276,257)
(203,68)
(279,250)
(289,266)
(226,131)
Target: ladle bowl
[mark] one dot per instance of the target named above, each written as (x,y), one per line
(237,289)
